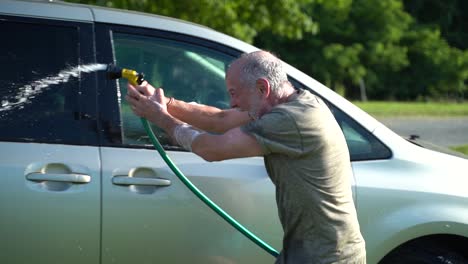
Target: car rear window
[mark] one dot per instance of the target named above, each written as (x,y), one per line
(40,86)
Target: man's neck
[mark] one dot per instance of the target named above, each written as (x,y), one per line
(287,94)
(274,100)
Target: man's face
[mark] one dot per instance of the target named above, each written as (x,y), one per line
(243,98)
(239,95)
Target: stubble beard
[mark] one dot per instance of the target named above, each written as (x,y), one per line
(255,110)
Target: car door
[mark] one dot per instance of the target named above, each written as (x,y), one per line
(49,159)
(148,214)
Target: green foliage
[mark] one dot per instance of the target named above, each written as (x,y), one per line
(380,44)
(450,16)
(357,41)
(437,70)
(241,18)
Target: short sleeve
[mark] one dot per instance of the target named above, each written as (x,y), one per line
(277,133)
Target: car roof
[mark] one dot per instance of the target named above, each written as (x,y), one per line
(89,13)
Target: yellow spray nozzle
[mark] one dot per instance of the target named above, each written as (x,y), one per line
(131,75)
(114,72)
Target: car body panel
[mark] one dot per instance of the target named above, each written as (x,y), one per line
(47,221)
(410,194)
(163,216)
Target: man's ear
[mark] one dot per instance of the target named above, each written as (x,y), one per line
(263,85)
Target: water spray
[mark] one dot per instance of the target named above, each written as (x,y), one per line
(135,78)
(29,91)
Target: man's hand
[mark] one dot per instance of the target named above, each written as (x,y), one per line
(148,90)
(147,102)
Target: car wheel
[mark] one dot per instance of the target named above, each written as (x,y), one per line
(424,253)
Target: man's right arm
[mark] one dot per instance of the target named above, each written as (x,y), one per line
(204,117)
(207,118)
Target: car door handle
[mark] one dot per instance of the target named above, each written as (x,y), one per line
(125,180)
(59,177)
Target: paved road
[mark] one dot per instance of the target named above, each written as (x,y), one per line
(445,132)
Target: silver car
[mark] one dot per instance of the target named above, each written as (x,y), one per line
(81,182)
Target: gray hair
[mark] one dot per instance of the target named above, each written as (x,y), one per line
(262,64)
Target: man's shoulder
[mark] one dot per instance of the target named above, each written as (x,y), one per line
(301,104)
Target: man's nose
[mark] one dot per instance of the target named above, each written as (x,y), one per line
(233,103)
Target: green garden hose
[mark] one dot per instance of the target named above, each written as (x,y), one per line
(136,78)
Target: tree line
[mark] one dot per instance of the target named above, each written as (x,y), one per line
(402,50)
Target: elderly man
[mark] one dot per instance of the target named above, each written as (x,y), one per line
(304,150)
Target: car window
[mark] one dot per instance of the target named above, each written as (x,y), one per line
(186,71)
(362,144)
(40,98)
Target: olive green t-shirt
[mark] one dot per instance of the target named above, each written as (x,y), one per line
(307,159)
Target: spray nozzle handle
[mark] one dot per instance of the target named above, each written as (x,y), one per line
(114,72)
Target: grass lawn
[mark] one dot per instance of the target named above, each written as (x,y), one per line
(463,149)
(398,109)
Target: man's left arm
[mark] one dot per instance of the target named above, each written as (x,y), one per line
(233,144)
(212,147)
